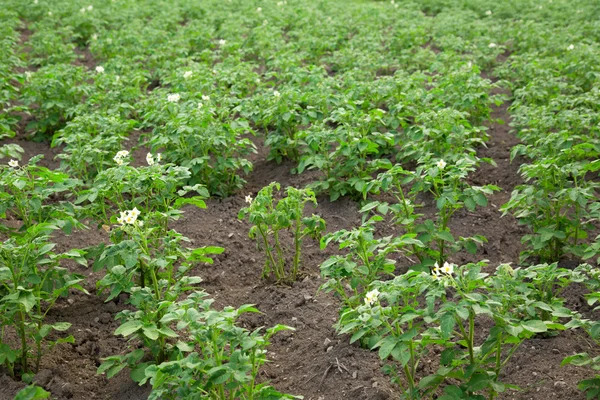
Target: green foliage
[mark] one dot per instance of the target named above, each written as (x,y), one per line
(31,281)
(446,182)
(269,219)
(52,93)
(219,360)
(406,317)
(32,392)
(26,192)
(367,259)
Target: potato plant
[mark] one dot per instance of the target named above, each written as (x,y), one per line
(32,281)
(270,219)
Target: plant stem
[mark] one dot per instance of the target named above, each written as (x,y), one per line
(297,246)
(23,341)
(471,335)
(269,254)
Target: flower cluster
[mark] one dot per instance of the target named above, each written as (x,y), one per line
(371,297)
(130,217)
(99,69)
(151,160)
(120,156)
(446,270)
(13,163)
(173,98)
(187,74)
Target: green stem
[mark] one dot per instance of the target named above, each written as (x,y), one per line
(271,259)
(23,340)
(280,264)
(297,247)
(471,336)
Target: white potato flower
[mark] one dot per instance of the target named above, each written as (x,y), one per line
(222,42)
(149,159)
(94,36)
(371,297)
(441,164)
(200,105)
(13,163)
(276,93)
(248,199)
(173,98)
(49,12)
(130,217)
(205,98)
(90,7)
(187,74)
(35,1)
(82,10)
(492,45)
(448,268)
(571,47)
(158,157)
(259,9)
(28,75)
(488,12)
(118,158)
(100,69)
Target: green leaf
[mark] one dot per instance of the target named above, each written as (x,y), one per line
(150,332)
(470,204)
(196,200)
(535,326)
(128,328)
(61,326)
(166,331)
(185,347)
(445,236)
(32,393)
(386,346)
(479,381)
(447,323)
(139,372)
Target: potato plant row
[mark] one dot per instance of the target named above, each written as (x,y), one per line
(388,103)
